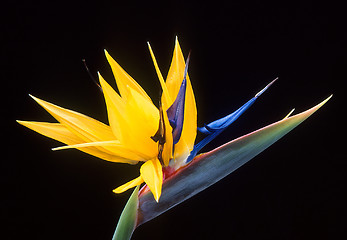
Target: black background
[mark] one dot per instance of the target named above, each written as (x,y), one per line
(294,190)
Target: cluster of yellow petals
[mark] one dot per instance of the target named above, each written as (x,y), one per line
(133,119)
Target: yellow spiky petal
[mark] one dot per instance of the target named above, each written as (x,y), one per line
(173,83)
(81,125)
(131,121)
(166,103)
(152,174)
(60,133)
(133,183)
(166,99)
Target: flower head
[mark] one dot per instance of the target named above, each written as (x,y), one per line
(162,139)
(138,131)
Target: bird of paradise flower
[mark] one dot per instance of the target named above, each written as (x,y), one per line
(162,139)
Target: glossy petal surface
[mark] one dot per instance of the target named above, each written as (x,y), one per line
(152,174)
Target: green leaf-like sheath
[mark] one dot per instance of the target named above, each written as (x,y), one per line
(128,219)
(208,168)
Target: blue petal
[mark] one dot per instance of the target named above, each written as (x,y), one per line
(175,112)
(214,128)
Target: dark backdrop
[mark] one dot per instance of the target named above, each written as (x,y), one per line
(294,190)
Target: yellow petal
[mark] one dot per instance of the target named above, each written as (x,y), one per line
(52,130)
(132,120)
(60,133)
(173,83)
(86,128)
(133,183)
(175,75)
(113,146)
(89,144)
(148,111)
(115,110)
(152,174)
(123,79)
(143,119)
(166,100)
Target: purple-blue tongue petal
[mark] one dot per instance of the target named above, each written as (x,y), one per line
(214,128)
(175,112)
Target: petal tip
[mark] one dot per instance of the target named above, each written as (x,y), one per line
(266,87)
(39,101)
(331,95)
(324,101)
(118,190)
(149,47)
(100,77)
(327,99)
(156,195)
(23,123)
(57,148)
(108,56)
(115,191)
(32,96)
(106,53)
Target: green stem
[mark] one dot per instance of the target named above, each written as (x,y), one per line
(127,221)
